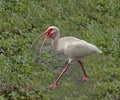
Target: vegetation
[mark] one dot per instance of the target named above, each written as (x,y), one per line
(22,78)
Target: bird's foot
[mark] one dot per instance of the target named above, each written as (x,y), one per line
(85,78)
(54,85)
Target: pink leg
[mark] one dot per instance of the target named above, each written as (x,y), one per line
(85,78)
(54,85)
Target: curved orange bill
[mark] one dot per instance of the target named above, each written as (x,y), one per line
(41,47)
(36,40)
(44,41)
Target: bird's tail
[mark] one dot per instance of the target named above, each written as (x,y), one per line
(98,51)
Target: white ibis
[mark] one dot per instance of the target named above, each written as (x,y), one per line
(71,47)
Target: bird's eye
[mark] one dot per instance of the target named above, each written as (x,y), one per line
(49,34)
(49,30)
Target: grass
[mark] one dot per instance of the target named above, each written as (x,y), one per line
(22,78)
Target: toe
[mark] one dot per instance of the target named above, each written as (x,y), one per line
(54,85)
(85,78)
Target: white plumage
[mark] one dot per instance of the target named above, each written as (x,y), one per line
(71,47)
(75,48)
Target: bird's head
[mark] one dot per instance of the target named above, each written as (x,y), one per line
(51,33)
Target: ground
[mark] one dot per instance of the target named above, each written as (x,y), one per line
(23,77)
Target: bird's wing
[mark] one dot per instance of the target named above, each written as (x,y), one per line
(74,47)
(77,50)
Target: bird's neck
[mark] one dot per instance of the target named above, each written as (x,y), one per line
(55,43)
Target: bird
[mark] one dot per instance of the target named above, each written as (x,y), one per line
(73,48)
